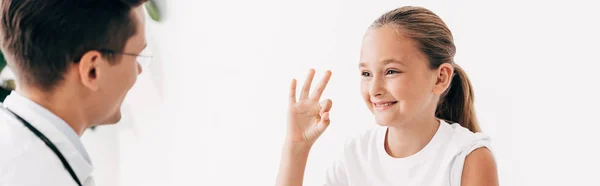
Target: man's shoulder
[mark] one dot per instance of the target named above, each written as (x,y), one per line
(25,159)
(15,139)
(22,153)
(33,167)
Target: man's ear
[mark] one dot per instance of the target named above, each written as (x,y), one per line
(89,69)
(444,77)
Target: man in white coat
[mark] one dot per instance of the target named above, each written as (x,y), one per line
(74,62)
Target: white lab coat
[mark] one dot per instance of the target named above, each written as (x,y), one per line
(25,160)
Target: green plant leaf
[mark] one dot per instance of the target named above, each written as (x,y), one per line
(153,10)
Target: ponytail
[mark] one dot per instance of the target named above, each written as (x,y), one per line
(456,105)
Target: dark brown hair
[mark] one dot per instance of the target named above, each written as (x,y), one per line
(436,42)
(40,38)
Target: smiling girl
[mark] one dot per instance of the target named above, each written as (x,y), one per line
(420,97)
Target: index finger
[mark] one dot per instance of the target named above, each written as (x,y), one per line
(321,87)
(293,91)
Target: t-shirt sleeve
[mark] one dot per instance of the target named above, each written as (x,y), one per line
(336,175)
(343,171)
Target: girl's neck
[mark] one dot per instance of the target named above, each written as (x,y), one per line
(410,137)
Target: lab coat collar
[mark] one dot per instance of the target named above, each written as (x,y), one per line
(47,122)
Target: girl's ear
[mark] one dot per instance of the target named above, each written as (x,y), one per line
(444,77)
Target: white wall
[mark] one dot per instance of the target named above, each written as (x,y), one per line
(211,111)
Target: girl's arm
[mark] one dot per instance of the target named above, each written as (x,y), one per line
(292,165)
(307,119)
(480,169)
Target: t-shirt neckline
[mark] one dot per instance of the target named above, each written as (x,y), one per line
(415,157)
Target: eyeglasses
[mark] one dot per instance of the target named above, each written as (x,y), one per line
(143,58)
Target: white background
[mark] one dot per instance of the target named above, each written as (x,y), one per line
(211,108)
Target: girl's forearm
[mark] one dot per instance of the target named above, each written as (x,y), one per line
(293,164)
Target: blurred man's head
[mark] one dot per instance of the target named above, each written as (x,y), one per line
(85,47)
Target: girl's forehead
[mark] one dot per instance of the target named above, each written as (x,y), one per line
(383,45)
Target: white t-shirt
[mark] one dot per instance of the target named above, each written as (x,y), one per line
(440,162)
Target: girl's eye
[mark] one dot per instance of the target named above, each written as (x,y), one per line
(391,72)
(366,74)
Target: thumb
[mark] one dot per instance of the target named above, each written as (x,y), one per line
(325,106)
(323,123)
